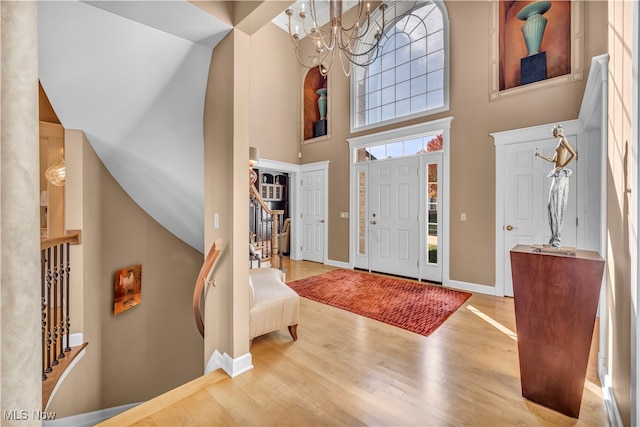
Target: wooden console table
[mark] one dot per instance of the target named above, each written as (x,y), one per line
(556,300)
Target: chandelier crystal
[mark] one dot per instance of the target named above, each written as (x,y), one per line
(339,37)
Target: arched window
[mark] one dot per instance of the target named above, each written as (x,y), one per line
(410,76)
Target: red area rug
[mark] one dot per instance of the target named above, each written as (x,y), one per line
(416,307)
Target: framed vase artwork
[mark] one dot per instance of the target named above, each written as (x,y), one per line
(534,44)
(128,288)
(315,106)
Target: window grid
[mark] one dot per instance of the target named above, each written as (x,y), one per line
(408,77)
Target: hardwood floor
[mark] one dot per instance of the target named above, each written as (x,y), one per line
(350,370)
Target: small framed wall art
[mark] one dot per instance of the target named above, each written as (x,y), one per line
(128,288)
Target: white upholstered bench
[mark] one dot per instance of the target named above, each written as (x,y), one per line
(273,304)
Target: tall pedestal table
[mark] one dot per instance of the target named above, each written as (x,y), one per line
(556,300)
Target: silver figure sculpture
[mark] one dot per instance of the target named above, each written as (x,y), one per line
(559,192)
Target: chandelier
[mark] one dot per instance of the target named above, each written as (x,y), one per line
(339,37)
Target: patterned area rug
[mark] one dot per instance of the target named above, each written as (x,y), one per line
(416,307)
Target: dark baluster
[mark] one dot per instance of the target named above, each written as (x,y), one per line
(56,276)
(48,314)
(63,278)
(269,232)
(68,319)
(43,260)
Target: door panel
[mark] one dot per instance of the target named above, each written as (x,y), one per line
(393,216)
(527,192)
(312,216)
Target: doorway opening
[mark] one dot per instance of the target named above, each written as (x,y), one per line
(399,202)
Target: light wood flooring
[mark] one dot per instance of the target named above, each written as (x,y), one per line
(346,369)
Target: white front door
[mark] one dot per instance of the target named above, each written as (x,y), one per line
(312,218)
(394,231)
(526,198)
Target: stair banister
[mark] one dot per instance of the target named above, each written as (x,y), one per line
(275,253)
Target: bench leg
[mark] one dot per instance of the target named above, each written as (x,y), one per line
(293,330)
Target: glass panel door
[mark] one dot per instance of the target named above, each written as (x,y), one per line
(431,265)
(362,212)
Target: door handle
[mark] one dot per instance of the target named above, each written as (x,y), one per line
(510,227)
(373,222)
(322,221)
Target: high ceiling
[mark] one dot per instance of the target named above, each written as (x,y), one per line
(132,75)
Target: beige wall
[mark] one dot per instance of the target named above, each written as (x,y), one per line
(618,272)
(472,253)
(152,347)
(275,95)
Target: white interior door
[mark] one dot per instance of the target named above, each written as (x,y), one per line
(394,229)
(527,192)
(312,198)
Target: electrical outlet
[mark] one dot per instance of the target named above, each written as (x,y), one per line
(463,216)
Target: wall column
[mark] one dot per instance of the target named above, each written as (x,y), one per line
(226,139)
(20,333)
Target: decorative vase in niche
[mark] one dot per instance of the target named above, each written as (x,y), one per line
(322,103)
(534,25)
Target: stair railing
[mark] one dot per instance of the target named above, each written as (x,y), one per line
(265,226)
(55,267)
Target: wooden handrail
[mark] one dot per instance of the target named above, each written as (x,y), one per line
(73,237)
(205,275)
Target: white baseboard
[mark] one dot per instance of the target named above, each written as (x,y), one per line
(615,420)
(470,287)
(233,367)
(339,264)
(76,339)
(90,418)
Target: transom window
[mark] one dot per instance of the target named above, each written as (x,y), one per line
(409,78)
(406,147)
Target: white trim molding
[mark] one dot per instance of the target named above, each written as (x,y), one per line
(339,264)
(470,287)
(90,418)
(635,216)
(233,367)
(615,420)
